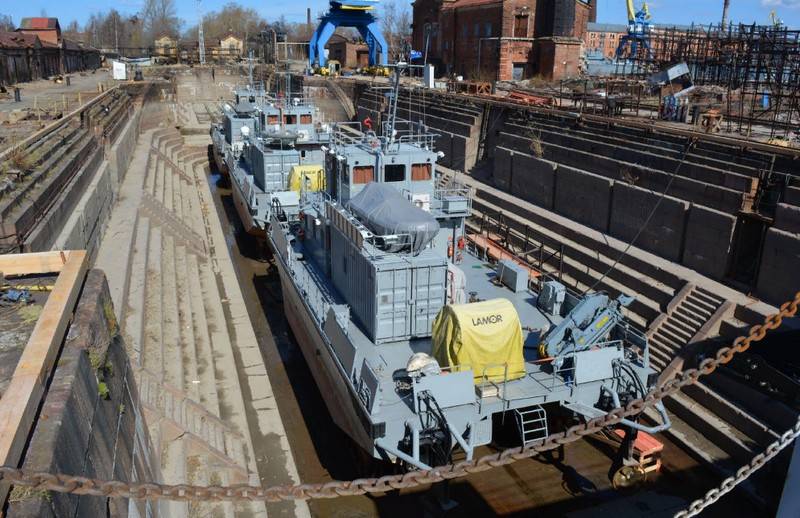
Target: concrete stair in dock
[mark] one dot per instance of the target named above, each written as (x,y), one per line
(173,318)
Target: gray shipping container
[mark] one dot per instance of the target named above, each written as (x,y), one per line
(394,297)
(271,168)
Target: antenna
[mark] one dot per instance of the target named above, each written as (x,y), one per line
(250,66)
(200,40)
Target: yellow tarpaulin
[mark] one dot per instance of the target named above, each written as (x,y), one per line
(310,176)
(482,336)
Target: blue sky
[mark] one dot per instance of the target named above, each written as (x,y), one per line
(613,11)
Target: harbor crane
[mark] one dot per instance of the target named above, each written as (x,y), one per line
(638,31)
(358,14)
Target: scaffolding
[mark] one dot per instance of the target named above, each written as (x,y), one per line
(758,66)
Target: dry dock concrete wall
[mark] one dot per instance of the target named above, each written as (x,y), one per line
(91,422)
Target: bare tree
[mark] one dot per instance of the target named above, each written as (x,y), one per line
(395,18)
(6,23)
(160,18)
(242,22)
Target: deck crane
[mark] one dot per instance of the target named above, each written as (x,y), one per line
(349,13)
(638,31)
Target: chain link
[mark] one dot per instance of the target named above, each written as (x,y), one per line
(742,473)
(147,490)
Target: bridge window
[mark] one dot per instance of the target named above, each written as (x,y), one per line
(290,119)
(394,173)
(305,118)
(272,119)
(363,174)
(420,172)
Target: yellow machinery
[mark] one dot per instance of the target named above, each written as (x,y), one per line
(308,177)
(483,336)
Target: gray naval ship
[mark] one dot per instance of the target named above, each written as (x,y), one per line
(226,136)
(277,151)
(419,344)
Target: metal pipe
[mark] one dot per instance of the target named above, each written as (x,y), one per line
(380,443)
(466,447)
(647,429)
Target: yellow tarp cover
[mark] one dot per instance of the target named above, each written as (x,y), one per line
(312,176)
(482,336)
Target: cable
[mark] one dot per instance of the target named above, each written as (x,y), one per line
(622,254)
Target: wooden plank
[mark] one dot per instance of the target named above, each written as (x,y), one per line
(33,264)
(19,403)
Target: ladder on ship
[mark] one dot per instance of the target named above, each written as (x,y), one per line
(532,423)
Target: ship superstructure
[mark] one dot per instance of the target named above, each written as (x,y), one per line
(420,345)
(226,135)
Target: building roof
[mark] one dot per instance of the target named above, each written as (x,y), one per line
(40,24)
(14,40)
(458,4)
(606,27)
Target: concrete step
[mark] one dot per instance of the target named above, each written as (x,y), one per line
(173,466)
(700,302)
(204,357)
(168,198)
(232,409)
(677,330)
(722,434)
(152,351)
(150,173)
(166,218)
(588,256)
(670,337)
(158,187)
(681,325)
(702,313)
(712,298)
(740,419)
(643,306)
(688,318)
(173,357)
(191,379)
(134,307)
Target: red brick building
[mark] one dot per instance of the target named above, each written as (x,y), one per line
(47,29)
(502,39)
(349,53)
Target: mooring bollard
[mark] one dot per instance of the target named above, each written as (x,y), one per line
(17,95)
(68,80)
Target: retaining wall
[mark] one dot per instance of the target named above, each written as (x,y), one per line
(91,422)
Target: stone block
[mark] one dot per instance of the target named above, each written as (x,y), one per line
(708,241)
(778,277)
(501,168)
(583,197)
(533,179)
(787,218)
(664,233)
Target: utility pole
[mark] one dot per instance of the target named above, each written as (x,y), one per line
(200,40)
(725,6)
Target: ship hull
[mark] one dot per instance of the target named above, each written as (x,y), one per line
(335,390)
(243,210)
(219,161)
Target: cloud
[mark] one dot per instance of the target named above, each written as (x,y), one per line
(788,4)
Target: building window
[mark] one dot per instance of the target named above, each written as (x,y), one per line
(488,29)
(477,30)
(363,174)
(394,172)
(521,26)
(420,172)
(465,31)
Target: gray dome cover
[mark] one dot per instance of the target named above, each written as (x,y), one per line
(384,210)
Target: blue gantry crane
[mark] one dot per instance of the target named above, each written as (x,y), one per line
(638,31)
(358,14)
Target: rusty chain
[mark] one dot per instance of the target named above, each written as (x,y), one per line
(148,490)
(727,485)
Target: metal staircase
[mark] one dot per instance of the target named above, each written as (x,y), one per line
(532,423)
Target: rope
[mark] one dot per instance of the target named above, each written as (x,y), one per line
(646,221)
